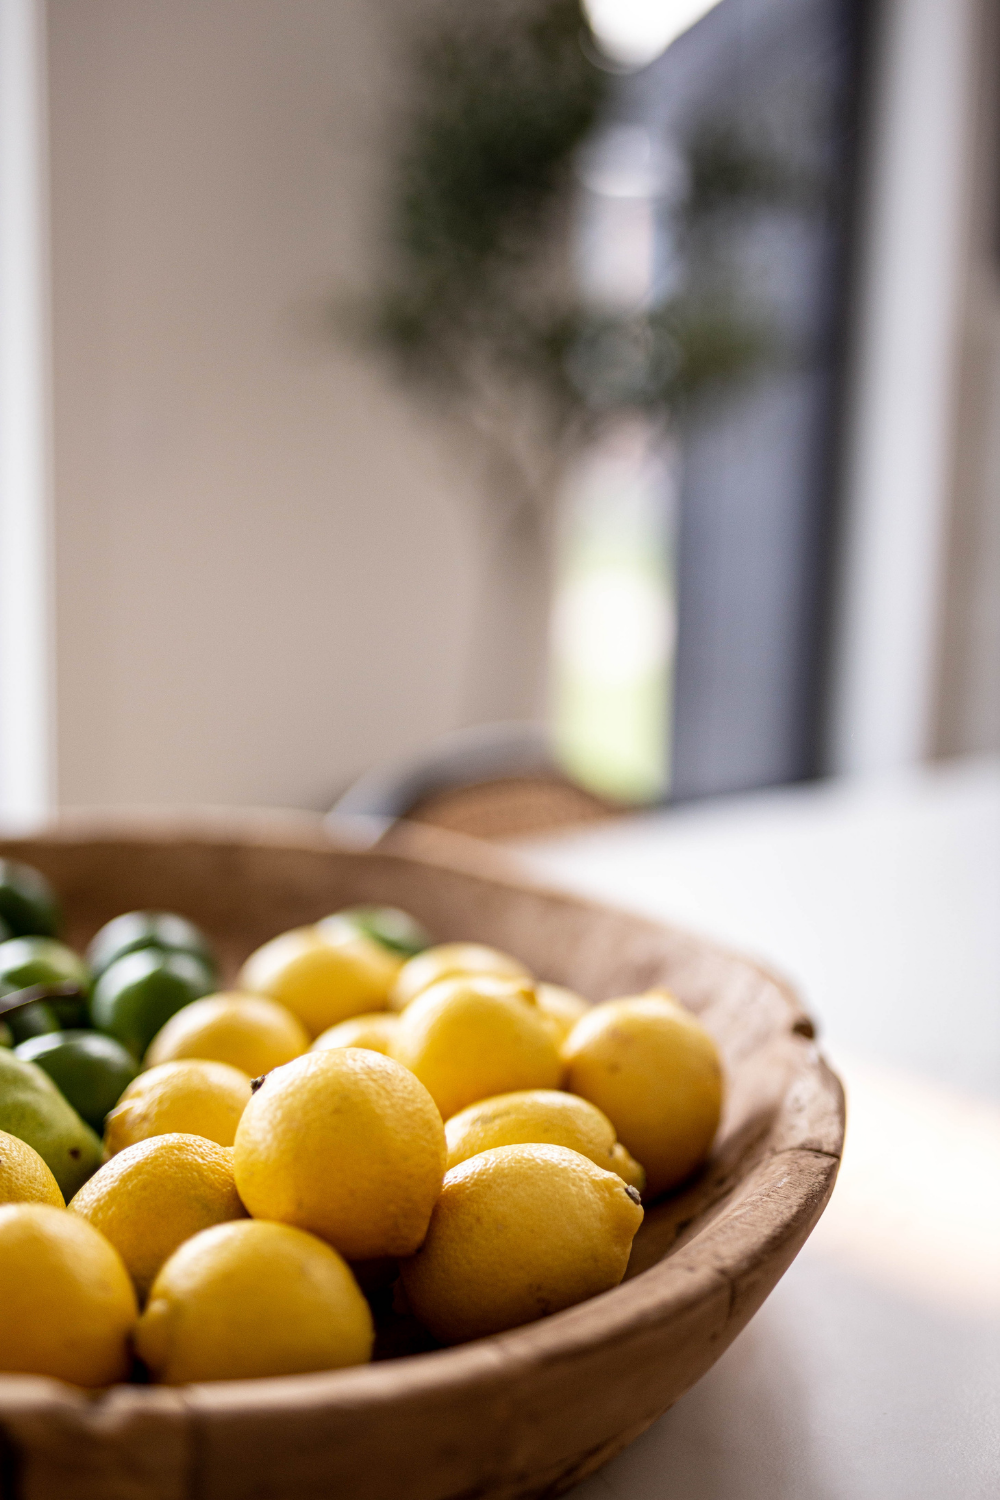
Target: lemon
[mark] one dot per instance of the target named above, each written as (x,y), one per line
(24,1176)
(152,1197)
(374,1032)
(445,961)
(187,1098)
(322,977)
(68,1306)
(519,1232)
(562,1008)
(540,1116)
(645,1061)
(347,1144)
(471,1037)
(247,1031)
(253,1299)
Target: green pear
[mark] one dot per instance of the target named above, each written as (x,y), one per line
(33,1109)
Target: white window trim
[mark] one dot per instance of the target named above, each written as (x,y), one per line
(26,602)
(904,387)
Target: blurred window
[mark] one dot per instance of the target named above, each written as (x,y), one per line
(717,198)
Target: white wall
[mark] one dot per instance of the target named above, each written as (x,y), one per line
(265,564)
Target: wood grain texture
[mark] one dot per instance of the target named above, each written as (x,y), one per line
(532,1411)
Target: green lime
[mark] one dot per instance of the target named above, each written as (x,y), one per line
(90,1070)
(33,1109)
(38,1019)
(65,1011)
(27,961)
(388,925)
(141,991)
(6,1035)
(136,930)
(28,905)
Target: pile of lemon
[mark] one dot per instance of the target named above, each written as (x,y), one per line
(363,1112)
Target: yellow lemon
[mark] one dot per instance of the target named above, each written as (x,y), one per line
(67,1308)
(247,1031)
(374,1032)
(519,1232)
(347,1144)
(655,1073)
(446,960)
(152,1197)
(472,1037)
(24,1176)
(540,1116)
(185,1098)
(562,1008)
(322,977)
(253,1299)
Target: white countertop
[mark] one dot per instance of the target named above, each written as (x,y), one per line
(873,1370)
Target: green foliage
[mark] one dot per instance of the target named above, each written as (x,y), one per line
(502,95)
(476,296)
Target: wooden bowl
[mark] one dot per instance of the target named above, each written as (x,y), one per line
(532,1411)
